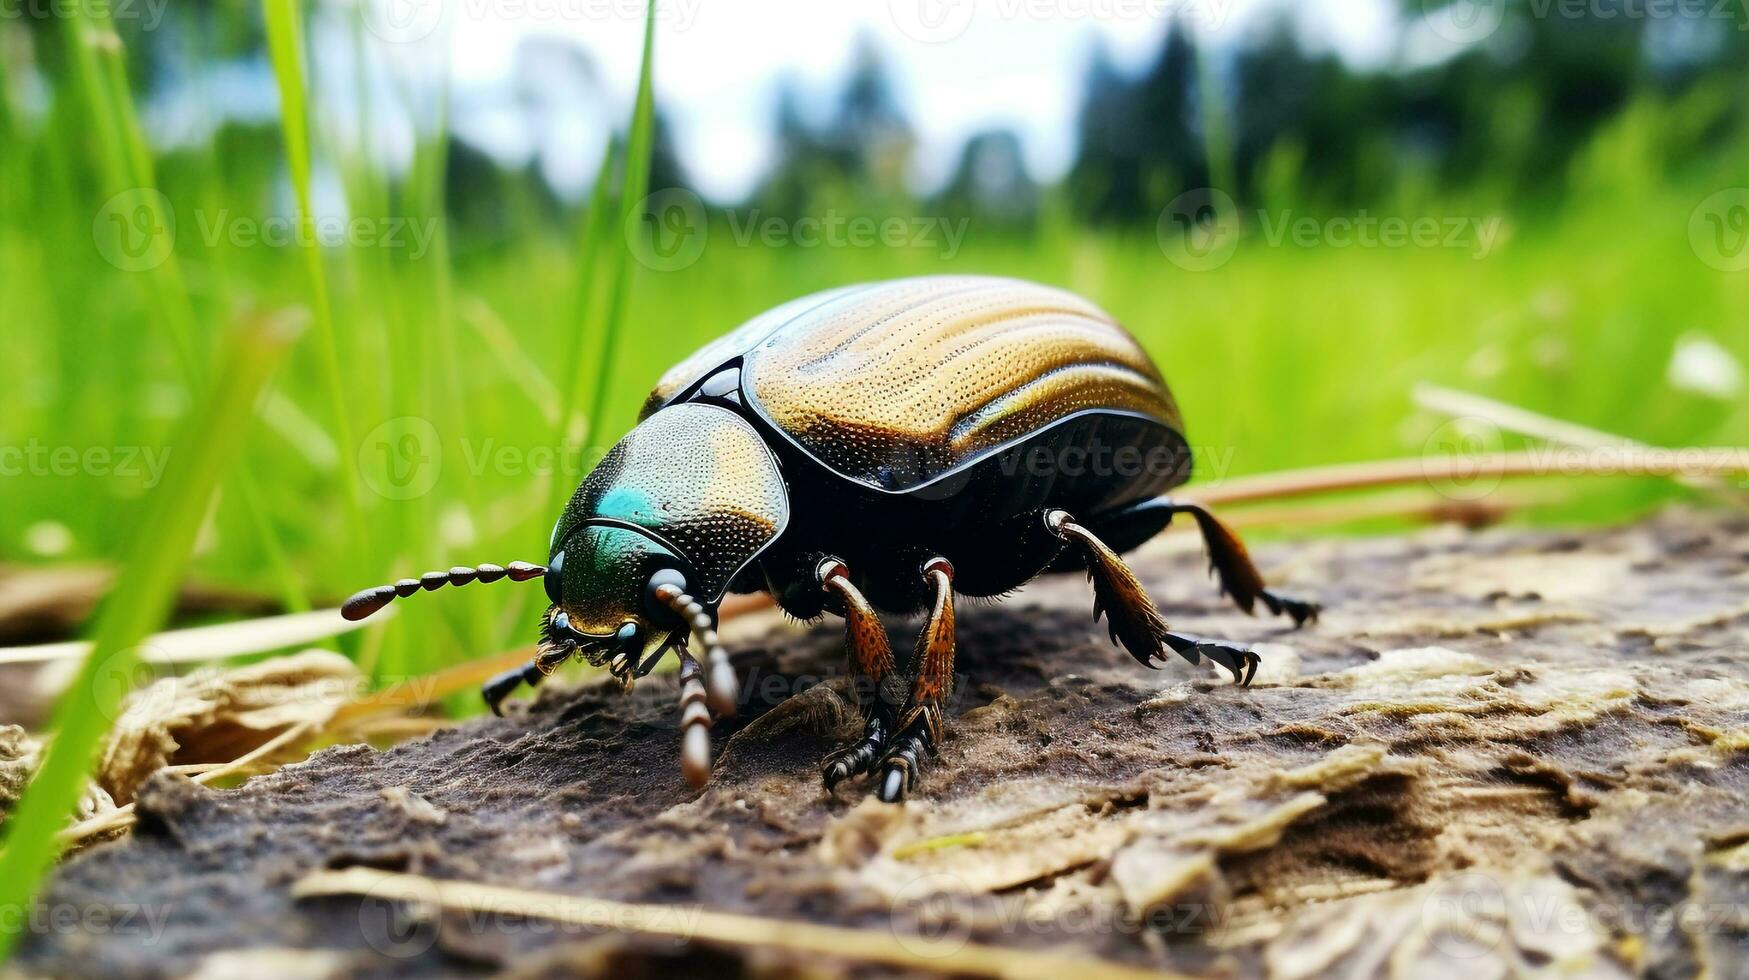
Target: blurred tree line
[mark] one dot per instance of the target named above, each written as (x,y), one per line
(1267,120)
(1501,119)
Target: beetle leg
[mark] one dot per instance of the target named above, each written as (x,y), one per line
(920,728)
(1135,622)
(501,686)
(1239,578)
(695,722)
(1117,595)
(1228,558)
(547,660)
(874,685)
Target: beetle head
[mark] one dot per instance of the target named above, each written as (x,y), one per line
(600,580)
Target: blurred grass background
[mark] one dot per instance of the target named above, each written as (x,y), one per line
(416,425)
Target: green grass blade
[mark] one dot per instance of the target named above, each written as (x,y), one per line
(100,67)
(632,192)
(7,123)
(586,369)
(285,41)
(603,257)
(136,607)
(592,245)
(127,162)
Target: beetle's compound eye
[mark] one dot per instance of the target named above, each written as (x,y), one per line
(555,581)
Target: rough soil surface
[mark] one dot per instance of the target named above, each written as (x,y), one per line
(1498,752)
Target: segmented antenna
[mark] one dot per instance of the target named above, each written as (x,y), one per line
(721,686)
(368,601)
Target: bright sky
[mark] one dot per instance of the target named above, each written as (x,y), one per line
(958,66)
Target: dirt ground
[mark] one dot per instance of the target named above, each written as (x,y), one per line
(1498,752)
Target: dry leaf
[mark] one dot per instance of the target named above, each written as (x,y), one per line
(216,715)
(1466,925)
(19,756)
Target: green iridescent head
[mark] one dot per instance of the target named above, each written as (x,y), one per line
(644,551)
(690,497)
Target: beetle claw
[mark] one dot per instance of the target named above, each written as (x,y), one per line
(904,759)
(1300,611)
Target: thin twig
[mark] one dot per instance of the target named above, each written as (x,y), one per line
(417,692)
(1523,421)
(1428,507)
(897,948)
(1694,461)
(1512,418)
(202,643)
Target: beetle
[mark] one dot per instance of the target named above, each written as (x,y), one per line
(881,446)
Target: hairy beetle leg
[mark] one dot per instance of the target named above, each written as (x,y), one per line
(1135,622)
(920,729)
(1228,559)
(1118,596)
(875,687)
